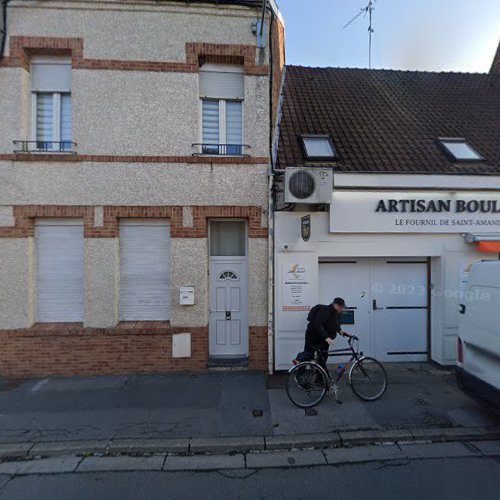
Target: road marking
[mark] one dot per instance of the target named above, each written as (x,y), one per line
(39,385)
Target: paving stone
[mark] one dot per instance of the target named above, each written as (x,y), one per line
(363,454)
(303,441)
(14,450)
(375,436)
(488,448)
(149,446)
(121,463)
(446,434)
(53,465)
(226,444)
(285,459)
(436,450)
(204,462)
(68,448)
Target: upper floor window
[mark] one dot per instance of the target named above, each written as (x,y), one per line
(222,94)
(51,105)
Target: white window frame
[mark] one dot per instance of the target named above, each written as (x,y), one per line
(222,123)
(223,68)
(56,109)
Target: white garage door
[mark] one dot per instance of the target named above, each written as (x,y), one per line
(144,270)
(388,303)
(59,271)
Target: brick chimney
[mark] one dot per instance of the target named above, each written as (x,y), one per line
(495,65)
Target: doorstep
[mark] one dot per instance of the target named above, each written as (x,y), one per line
(227,364)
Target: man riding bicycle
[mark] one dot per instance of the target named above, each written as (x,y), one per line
(323,327)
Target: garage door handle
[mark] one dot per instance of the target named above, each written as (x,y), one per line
(374,305)
(228,315)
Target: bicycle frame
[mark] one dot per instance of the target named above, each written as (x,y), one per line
(356,355)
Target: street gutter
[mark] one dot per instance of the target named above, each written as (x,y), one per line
(245,444)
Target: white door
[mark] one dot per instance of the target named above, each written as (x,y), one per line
(351,281)
(228,326)
(386,301)
(228,316)
(144,270)
(399,309)
(59,271)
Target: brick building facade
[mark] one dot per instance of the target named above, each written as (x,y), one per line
(134,146)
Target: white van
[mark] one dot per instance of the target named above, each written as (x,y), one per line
(479,335)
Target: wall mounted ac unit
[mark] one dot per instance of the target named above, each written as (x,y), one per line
(308,185)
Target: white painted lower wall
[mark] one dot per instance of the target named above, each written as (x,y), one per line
(449,254)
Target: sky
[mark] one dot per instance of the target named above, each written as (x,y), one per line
(430,35)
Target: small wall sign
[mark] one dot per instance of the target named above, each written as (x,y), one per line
(305,227)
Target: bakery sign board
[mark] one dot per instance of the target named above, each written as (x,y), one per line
(415,212)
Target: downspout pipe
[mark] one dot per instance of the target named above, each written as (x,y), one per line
(270,209)
(3,29)
(273,150)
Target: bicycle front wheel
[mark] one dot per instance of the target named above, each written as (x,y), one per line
(368,379)
(306,385)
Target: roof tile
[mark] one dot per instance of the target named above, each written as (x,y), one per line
(389,121)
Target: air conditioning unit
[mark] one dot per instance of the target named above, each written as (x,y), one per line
(308,185)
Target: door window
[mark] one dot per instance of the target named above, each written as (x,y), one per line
(227,239)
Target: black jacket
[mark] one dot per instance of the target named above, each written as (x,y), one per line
(326,323)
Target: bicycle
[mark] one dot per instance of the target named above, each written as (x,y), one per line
(308,382)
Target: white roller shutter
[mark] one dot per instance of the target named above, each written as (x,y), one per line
(59,271)
(222,85)
(144,270)
(51,75)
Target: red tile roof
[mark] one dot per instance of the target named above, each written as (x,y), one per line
(389,121)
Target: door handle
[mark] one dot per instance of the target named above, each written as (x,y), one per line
(462,309)
(228,315)
(374,306)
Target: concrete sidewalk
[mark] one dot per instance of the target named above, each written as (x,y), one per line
(106,410)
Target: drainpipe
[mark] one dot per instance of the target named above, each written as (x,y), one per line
(3,28)
(270,212)
(273,150)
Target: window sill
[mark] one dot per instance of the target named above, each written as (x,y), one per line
(215,155)
(45,147)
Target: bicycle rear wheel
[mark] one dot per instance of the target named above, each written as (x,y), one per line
(368,379)
(306,385)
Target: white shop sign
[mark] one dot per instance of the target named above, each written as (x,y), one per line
(414,212)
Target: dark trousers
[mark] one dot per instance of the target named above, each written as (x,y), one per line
(323,356)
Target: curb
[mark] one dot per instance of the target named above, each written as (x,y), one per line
(230,445)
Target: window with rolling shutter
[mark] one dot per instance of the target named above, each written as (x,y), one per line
(59,271)
(222,93)
(52,110)
(144,270)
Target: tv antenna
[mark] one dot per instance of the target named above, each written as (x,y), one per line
(368,9)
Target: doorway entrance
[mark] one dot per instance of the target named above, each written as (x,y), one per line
(228,283)
(387,301)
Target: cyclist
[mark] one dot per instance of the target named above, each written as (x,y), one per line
(323,327)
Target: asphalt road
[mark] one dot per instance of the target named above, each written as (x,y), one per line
(459,478)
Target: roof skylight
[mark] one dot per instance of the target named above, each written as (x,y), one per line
(318,147)
(459,150)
